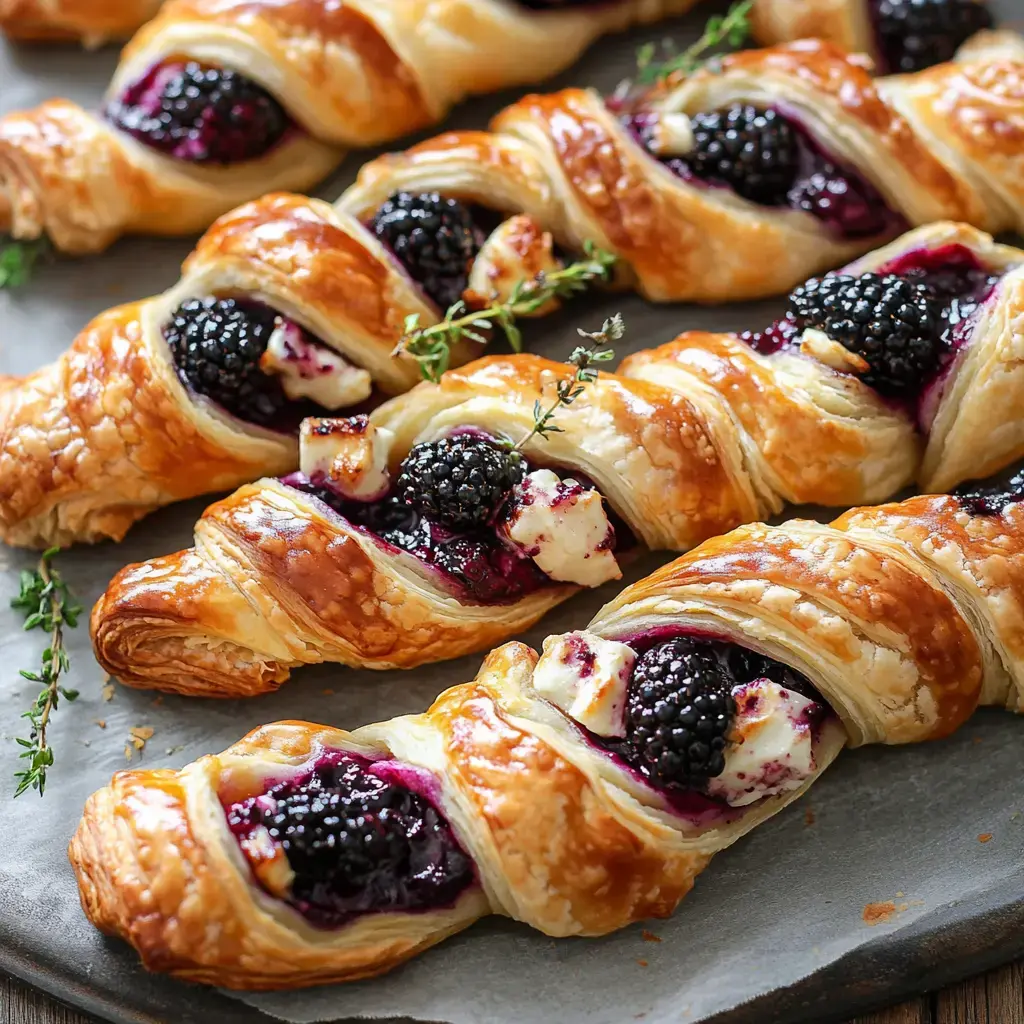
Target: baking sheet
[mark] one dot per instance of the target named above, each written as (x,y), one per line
(774,929)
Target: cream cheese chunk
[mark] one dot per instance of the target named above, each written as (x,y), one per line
(771,745)
(587,677)
(563,527)
(348,455)
(312,371)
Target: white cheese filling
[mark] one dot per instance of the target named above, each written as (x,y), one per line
(563,527)
(312,371)
(349,456)
(587,677)
(771,745)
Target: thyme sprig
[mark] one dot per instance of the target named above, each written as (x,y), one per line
(48,605)
(431,346)
(731,29)
(574,384)
(17,260)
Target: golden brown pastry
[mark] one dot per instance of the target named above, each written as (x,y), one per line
(306,303)
(366,559)
(900,35)
(215,103)
(92,21)
(567,790)
(837,163)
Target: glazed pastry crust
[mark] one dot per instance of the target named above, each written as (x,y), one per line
(232,615)
(91,21)
(93,442)
(349,74)
(904,616)
(562,839)
(813,434)
(566,160)
(844,23)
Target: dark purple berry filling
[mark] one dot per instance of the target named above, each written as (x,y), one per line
(915,34)
(449,500)
(679,711)
(435,239)
(991,499)
(908,319)
(359,840)
(217,346)
(768,157)
(199,114)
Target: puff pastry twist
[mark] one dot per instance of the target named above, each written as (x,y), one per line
(943,143)
(687,441)
(93,442)
(349,74)
(904,618)
(91,21)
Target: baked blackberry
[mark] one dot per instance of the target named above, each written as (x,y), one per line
(743,665)
(891,322)
(752,150)
(851,208)
(199,114)
(915,34)
(434,237)
(216,345)
(991,499)
(461,481)
(679,711)
(358,843)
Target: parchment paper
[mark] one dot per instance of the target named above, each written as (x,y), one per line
(777,919)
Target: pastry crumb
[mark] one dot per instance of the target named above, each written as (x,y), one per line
(809,817)
(328,692)
(158,701)
(107,693)
(643,963)
(985,837)
(878,913)
(650,936)
(101,722)
(137,737)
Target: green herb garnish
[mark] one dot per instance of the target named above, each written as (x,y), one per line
(431,346)
(48,605)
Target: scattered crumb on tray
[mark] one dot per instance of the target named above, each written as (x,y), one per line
(985,837)
(158,701)
(649,936)
(642,963)
(174,750)
(101,722)
(137,737)
(878,913)
(107,693)
(328,692)
(809,817)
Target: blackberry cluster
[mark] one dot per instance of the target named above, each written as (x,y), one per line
(434,237)
(358,843)
(891,322)
(204,115)
(461,481)
(752,150)
(991,499)
(216,345)
(851,208)
(915,34)
(678,714)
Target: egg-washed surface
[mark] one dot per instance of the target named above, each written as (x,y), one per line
(768,921)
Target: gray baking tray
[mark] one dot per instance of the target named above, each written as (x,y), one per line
(775,929)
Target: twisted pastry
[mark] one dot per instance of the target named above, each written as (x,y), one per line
(181,145)
(689,440)
(841,162)
(547,795)
(90,21)
(120,425)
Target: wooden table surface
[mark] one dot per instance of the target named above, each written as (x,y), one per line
(995,998)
